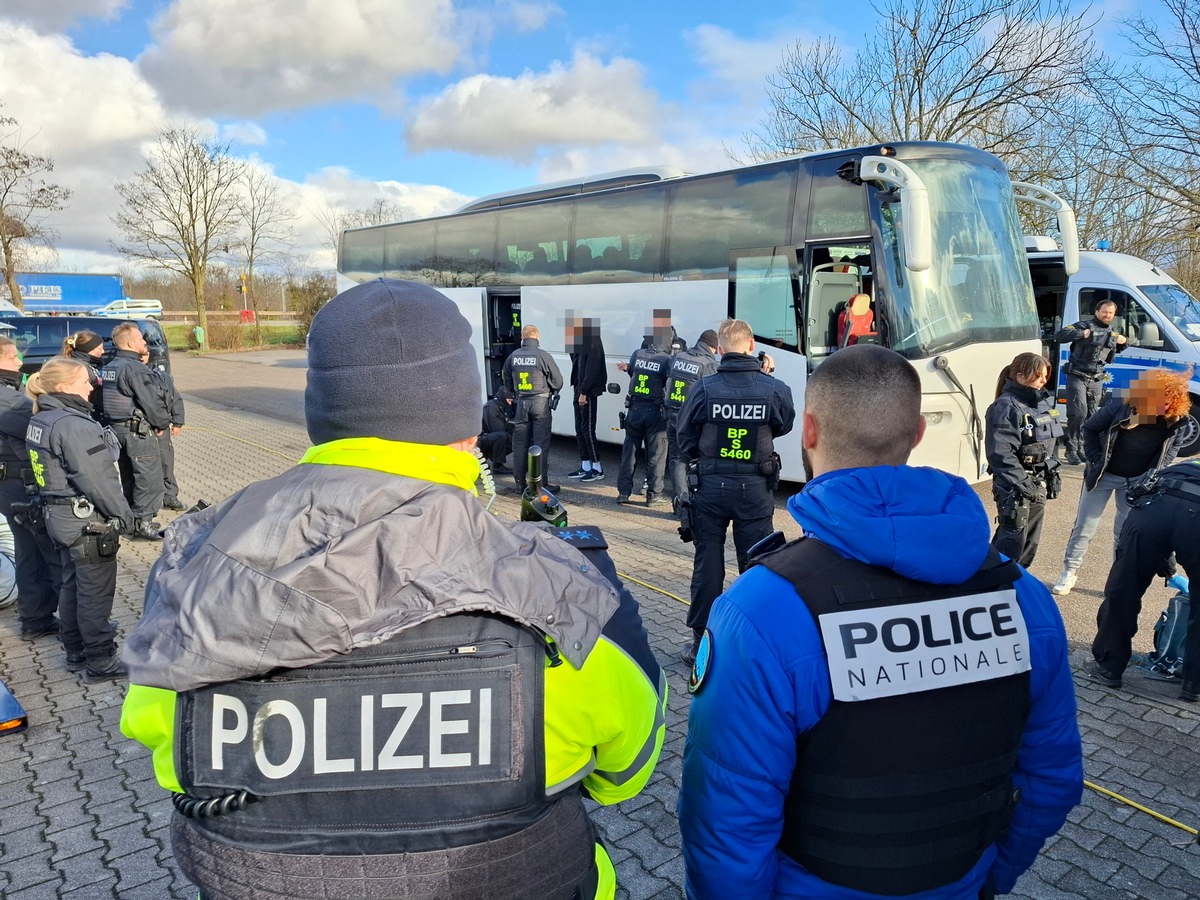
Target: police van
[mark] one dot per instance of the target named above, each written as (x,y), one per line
(127,308)
(1158,317)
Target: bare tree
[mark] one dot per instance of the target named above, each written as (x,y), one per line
(27,200)
(983,72)
(182,208)
(267,226)
(335,218)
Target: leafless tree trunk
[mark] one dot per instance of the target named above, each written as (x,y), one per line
(26,201)
(268,234)
(182,207)
(335,218)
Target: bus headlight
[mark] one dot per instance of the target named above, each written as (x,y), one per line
(933,419)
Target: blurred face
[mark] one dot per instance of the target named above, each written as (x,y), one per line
(1148,398)
(10,358)
(1105,313)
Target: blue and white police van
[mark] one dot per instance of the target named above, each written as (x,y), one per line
(1158,317)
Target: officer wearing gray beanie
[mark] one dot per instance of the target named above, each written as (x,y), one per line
(392,359)
(433,652)
(686,369)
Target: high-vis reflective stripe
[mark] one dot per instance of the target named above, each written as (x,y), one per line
(148,716)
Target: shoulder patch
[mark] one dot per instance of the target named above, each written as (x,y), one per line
(584,537)
(703,663)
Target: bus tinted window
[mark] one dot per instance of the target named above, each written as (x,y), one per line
(466,251)
(407,250)
(534,243)
(622,234)
(838,207)
(362,254)
(710,216)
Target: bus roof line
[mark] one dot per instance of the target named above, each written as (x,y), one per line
(602,182)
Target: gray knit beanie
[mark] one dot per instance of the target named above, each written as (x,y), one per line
(392,359)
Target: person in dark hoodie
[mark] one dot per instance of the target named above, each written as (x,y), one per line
(426,659)
(87,347)
(38,568)
(836,746)
(589,379)
(1020,432)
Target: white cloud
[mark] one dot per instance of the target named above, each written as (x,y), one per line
(585,103)
(251,134)
(238,58)
(736,66)
(530,17)
(53,15)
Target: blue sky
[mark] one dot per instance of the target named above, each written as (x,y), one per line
(426,102)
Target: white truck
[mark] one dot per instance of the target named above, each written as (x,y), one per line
(1160,319)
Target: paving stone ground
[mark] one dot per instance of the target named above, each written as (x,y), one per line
(81,815)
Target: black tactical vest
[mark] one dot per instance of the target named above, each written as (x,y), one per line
(686,369)
(736,438)
(907,779)
(1089,355)
(528,378)
(1039,432)
(48,469)
(118,406)
(648,376)
(429,745)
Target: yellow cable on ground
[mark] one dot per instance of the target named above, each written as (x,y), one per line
(655,589)
(1147,811)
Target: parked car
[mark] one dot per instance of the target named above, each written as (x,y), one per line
(131,309)
(40,338)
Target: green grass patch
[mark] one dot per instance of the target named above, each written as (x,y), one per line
(233,337)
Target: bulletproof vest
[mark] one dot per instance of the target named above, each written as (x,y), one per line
(431,742)
(1089,355)
(686,369)
(1039,431)
(648,376)
(527,375)
(1181,480)
(48,469)
(118,406)
(15,412)
(903,784)
(736,438)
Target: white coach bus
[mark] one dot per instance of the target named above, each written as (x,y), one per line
(928,230)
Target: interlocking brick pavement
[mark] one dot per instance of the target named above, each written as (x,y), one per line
(81,815)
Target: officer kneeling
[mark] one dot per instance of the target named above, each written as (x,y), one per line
(354,673)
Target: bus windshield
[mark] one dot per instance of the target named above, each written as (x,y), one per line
(1177,304)
(978,288)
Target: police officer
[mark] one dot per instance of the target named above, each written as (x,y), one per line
(135,410)
(883,707)
(645,422)
(1164,518)
(73,460)
(686,369)
(496,438)
(728,426)
(1093,346)
(535,380)
(166,438)
(38,569)
(88,348)
(1021,428)
(398,693)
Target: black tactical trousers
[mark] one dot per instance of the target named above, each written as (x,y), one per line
(585,429)
(39,576)
(644,427)
(742,500)
(141,470)
(676,462)
(86,601)
(166,453)
(1157,526)
(1020,544)
(1083,399)
(531,427)
(495,447)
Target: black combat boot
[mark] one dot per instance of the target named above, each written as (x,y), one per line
(108,668)
(147,530)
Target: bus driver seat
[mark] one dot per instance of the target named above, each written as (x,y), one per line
(855,320)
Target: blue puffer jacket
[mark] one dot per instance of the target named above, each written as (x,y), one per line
(769,682)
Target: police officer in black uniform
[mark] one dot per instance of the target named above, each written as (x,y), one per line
(1021,429)
(166,443)
(727,427)
(1164,518)
(496,436)
(686,369)
(73,460)
(135,410)
(38,569)
(88,348)
(534,378)
(645,422)
(1093,346)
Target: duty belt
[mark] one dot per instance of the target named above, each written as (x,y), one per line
(1180,488)
(59,501)
(728,467)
